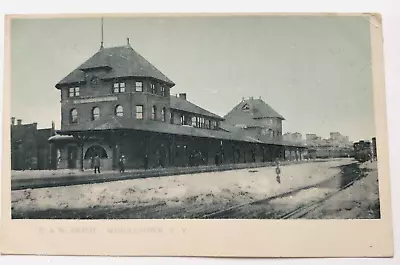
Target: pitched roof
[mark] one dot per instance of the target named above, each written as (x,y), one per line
(120,61)
(248,111)
(115,123)
(187,106)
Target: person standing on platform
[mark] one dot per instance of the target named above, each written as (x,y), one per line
(96,164)
(122,164)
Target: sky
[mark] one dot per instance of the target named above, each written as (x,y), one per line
(315,71)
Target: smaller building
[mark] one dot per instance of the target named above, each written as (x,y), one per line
(257,117)
(293,137)
(30,148)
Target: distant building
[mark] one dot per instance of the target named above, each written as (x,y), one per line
(256,116)
(30,148)
(339,140)
(293,137)
(311,137)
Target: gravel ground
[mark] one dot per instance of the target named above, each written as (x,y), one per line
(359,201)
(183,196)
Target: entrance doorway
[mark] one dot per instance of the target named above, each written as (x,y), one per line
(72,156)
(93,151)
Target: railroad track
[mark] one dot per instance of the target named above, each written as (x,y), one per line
(303,210)
(298,212)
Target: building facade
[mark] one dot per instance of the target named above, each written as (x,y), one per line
(30,148)
(117,103)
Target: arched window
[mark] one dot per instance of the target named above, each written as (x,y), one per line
(95,113)
(73,116)
(119,111)
(163,115)
(153,113)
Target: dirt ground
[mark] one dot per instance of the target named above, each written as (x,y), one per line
(359,201)
(183,196)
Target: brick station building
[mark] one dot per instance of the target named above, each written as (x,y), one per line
(118,103)
(30,148)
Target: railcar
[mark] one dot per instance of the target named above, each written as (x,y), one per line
(362,151)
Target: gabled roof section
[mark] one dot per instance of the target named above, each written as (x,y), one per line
(248,111)
(187,106)
(118,62)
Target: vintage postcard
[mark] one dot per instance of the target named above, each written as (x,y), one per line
(232,135)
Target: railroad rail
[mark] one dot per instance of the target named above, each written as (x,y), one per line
(303,210)
(298,212)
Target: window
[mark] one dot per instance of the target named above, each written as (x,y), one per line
(95,113)
(73,92)
(153,113)
(182,119)
(163,115)
(197,122)
(209,124)
(186,120)
(171,118)
(119,111)
(162,91)
(193,121)
(73,116)
(153,88)
(119,87)
(139,112)
(139,86)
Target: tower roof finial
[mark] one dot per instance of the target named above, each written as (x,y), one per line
(127,42)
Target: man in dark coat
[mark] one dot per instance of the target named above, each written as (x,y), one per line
(96,164)
(122,164)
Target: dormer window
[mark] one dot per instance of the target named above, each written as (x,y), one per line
(119,87)
(73,92)
(153,88)
(139,86)
(246,107)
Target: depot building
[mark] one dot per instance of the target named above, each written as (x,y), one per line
(117,103)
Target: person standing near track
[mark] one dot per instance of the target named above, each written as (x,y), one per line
(278,172)
(96,164)
(122,164)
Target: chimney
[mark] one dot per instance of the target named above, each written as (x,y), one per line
(12,120)
(35,125)
(19,122)
(53,128)
(251,98)
(182,96)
